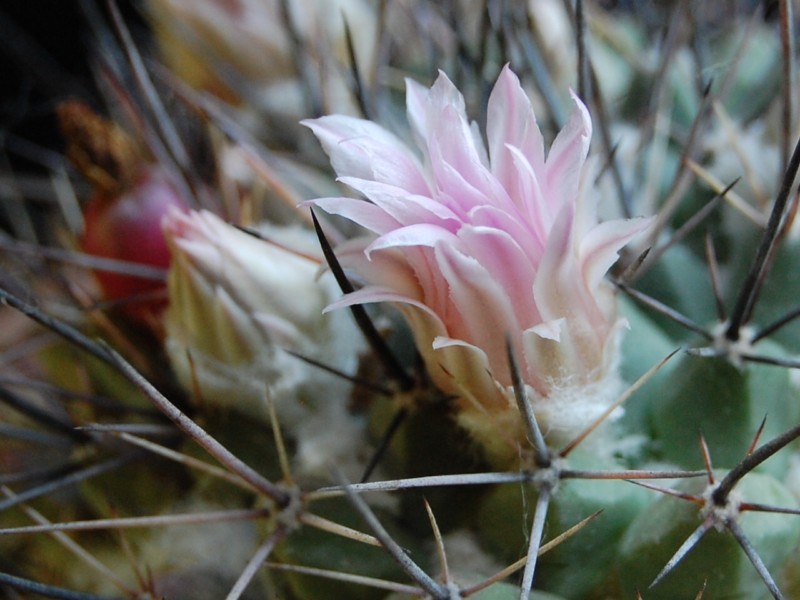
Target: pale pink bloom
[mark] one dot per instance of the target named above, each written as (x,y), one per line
(473,244)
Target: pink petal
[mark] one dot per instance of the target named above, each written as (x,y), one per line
(424,106)
(442,96)
(422,234)
(360,148)
(464,369)
(510,122)
(372,294)
(549,330)
(453,148)
(517,228)
(484,314)
(453,189)
(554,289)
(416,105)
(361,212)
(567,156)
(508,264)
(600,247)
(529,196)
(385,269)
(403,207)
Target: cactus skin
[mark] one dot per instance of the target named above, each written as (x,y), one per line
(717,560)
(575,500)
(725,404)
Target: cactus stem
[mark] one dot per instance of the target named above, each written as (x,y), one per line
(721,506)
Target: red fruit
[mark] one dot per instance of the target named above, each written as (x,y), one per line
(128,228)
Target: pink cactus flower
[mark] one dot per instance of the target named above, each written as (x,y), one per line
(474,243)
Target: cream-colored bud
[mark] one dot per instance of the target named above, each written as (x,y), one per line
(237,304)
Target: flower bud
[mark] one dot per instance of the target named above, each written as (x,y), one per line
(237,304)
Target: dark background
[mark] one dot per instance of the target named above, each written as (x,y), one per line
(46,49)
(46,57)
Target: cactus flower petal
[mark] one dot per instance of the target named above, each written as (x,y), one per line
(474,242)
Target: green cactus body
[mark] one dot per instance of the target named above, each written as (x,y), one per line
(503,515)
(717,562)
(725,404)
